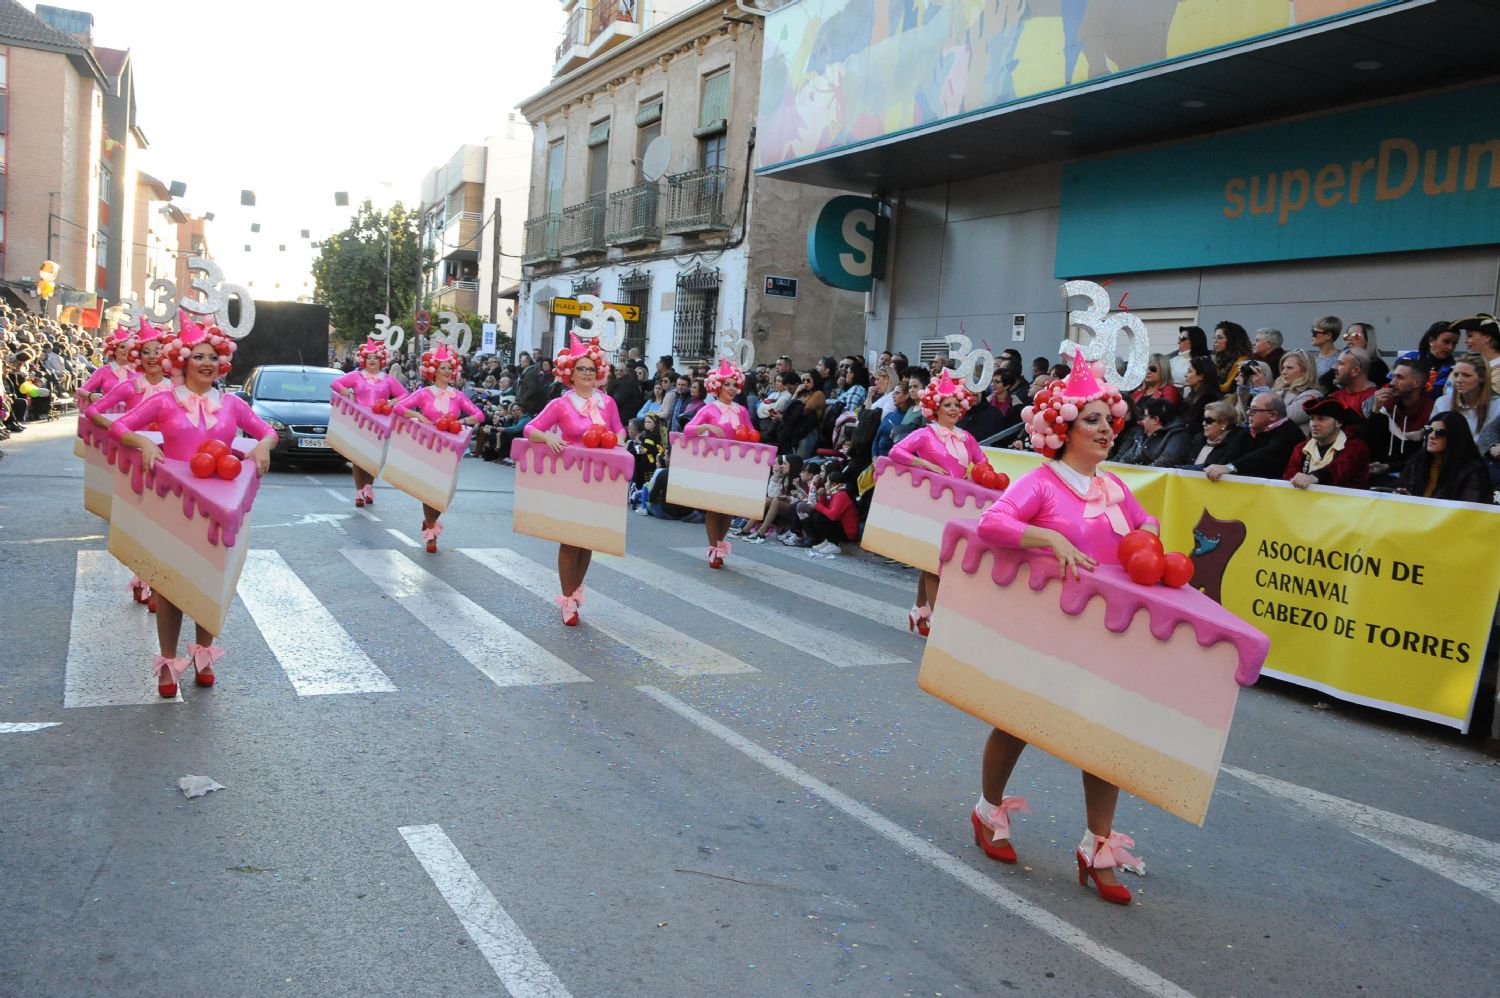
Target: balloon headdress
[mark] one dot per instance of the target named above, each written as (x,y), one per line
(372,347)
(941,387)
(440,354)
(1057,405)
(179,347)
(726,374)
(148,333)
(562,366)
(121,337)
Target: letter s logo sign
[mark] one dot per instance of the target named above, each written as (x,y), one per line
(846,243)
(859,236)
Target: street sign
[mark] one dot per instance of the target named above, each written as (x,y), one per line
(570,306)
(781,287)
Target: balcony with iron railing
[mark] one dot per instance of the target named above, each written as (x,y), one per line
(612,22)
(572,51)
(456,296)
(697,201)
(583,228)
(633,217)
(542,234)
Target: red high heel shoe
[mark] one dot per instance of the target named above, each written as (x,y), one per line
(918,620)
(203,658)
(174,667)
(569,606)
(151,604)
(359,501)
(430,534)
(1107,854)
(988,830)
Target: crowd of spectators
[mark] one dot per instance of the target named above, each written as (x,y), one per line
(42,361)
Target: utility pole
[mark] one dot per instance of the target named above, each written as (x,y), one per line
(50,196)
(495,271)
(388,262)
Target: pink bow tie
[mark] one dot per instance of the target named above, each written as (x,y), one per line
(1104,498)
(200,409)
(951,441)
(591,408)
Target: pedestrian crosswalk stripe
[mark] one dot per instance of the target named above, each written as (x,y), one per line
(859,568)
(111,638)
(658,643)
(402,537)
(21,727)
(358,509)
(807,639)
(502,653)
(317,654)
(877,611)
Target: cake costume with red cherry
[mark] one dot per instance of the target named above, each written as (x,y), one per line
(429,436)
(117,348)
(934,474)
(571,473)
(181,508)
(718,463)
(361,403)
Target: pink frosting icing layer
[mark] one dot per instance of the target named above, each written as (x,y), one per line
(596,462)
(725,448)
(430,436)
(223,504)
(364,418)
(960,491)
(1166,607)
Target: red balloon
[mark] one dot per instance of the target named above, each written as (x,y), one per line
(228,467)
(1138,540)
(607,439)
(591,435)
(1146,566)
(1179,570)
(217,448)
(203,465)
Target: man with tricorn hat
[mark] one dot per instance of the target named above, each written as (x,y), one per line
(1329,456)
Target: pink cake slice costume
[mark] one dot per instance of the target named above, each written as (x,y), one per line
(576,497)
(99,448)
(422,460)
(912,506)
(104,379)
(941,447)
(720,474)
(355,429)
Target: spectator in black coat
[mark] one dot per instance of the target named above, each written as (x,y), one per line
(1166,439)
(1449,465)
(1220,441)
(626,391)
(1271,439)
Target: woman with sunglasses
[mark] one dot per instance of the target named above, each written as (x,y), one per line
(1220,438)
(583,368)
(1449,464)
(1158,383)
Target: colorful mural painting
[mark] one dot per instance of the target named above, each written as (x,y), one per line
(836,73)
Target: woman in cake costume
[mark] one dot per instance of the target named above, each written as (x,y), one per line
(368,384)
(118,369)
(1080,513)
(144,378)
(191,414)
(434,402)
(942,448)
(583,368)
(721,416)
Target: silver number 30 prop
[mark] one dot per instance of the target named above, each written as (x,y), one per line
(735,348)
(215,301)
(1106,327)
(976,366)
(606,325)
(391,336)
(456,334)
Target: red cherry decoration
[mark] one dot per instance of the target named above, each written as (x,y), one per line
(742,433)
(607,439)
(216,448)
(228,467)
(1138,540)
(1146,566)
(591,435)
(1179,570)
(1002,481)
(203,465)
(754,436)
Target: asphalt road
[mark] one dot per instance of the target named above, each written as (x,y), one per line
(724,783)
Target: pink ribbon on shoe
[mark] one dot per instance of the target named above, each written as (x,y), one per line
(175,666)
(1112,852)
(137,582)
(721,549)
(204,656)
(1104,498)
(433,532)
(999,817)
(366,493)
(570,604)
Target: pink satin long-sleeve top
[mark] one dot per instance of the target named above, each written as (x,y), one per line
(128,394)
(1043,497)
(928,445)
(105,378)
(216,417)
(435,403)
(727,417)
(369,390)
(572,415)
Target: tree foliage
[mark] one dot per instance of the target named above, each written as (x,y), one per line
(349,272)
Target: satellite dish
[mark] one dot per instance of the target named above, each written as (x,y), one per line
(656,158)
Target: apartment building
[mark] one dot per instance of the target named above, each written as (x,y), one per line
(642,191)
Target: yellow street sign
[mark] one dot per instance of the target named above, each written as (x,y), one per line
(570,306)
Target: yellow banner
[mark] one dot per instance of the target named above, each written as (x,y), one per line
(1380,600)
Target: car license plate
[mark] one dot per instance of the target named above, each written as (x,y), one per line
(312,442)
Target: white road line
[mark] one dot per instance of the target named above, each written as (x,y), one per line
(317,654)
(20,727)
(856,567)
(402,537)
(514,960)
(1040,918)
(875,610)
(343,498)
(1465,859)
(111,639)
(659,644)
(808,640)
(502,653)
